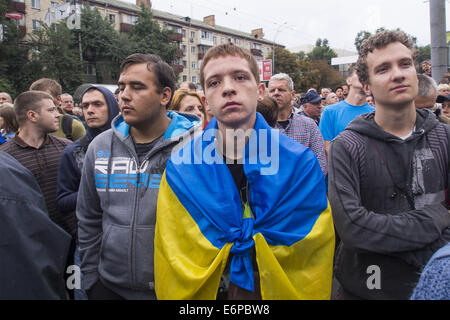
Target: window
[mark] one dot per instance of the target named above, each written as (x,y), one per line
(194,65)
(256,46)
(36,25)
(90,69)
(174,28)
(35,4)
(192,49)
(183,32)
(194,79)
(192,34)
(130,19)
(184,78)
(206,35)
(53,6)
(185,63)
(112,18)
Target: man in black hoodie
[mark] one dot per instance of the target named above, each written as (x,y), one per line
(388,178)
(99,107)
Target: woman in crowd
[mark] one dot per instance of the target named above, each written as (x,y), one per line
(8,122)
(190,102)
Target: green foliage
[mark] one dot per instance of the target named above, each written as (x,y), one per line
(147,37)
(423,53)
(328,76)
(58,55)
(305,72)
(13,57)
(360,37)
(322,51)
(286,62)
(99,40)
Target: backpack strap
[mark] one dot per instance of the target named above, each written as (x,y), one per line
(67,126)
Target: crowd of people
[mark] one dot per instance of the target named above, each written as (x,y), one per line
(234,191)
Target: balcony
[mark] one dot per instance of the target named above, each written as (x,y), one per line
(125,27)
(205,42)
(256,52)
(176,37)
(177,68)
(17,6)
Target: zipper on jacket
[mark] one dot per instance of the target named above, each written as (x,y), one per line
(134,284)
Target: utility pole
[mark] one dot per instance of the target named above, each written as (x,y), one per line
(439,49)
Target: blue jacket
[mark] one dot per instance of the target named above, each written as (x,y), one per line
(434,283)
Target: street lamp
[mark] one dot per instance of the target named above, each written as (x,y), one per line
(273,45)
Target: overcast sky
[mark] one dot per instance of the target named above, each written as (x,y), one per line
(295,23)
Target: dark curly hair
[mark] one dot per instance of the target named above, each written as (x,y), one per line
(381,40)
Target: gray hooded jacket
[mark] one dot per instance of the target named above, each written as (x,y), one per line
(388,201)
(116,207)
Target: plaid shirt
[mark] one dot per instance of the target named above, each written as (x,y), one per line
(304,130)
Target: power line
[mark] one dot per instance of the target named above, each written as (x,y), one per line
(268,24)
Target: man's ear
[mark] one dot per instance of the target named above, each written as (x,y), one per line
(366,88)
(32,115)
(261,91)
(166,95)
(349,81)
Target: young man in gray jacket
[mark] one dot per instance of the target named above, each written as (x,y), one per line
(389,173)
(123,167)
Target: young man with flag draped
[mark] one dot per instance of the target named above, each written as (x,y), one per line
(235,221)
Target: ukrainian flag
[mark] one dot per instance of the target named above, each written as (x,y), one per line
(200,221)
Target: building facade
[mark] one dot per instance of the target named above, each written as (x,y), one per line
(194,37)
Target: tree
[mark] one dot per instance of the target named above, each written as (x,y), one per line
(360,37)
(309,76)
(98,37)
(286,62)
(322,51)
(15,71)
(328,76)
(102,46)
(147,37)
(423,53)
(58,55)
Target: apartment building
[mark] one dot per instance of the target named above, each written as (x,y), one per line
(194,37)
